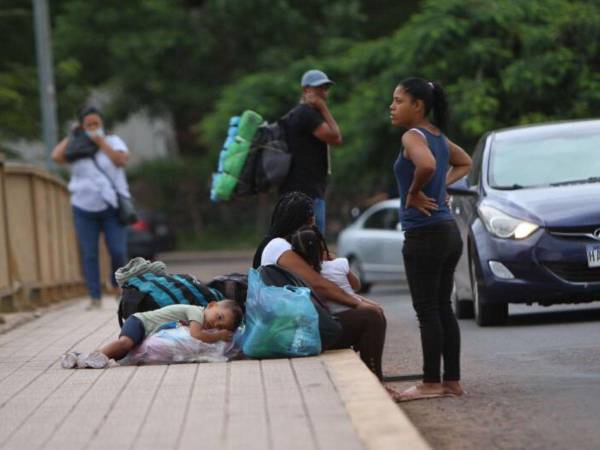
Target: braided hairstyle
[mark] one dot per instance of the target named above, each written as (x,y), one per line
(292,211)
(309,243)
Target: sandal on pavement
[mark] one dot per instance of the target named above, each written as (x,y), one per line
(414,393)
(392,393)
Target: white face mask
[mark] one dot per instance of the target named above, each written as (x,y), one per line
(96,132)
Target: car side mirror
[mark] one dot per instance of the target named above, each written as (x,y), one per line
(461,187)
(355,213)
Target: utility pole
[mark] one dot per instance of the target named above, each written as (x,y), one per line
(46,77)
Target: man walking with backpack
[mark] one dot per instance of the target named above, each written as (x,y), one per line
(311,129)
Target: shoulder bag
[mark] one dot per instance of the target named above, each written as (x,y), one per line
(125,205)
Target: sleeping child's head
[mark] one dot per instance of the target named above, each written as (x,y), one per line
(224,315)
(309,243)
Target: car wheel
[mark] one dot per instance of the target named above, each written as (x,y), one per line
(485,313)
(462,308)
(356,268)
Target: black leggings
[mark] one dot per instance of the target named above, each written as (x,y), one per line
(431,254)
(363,329)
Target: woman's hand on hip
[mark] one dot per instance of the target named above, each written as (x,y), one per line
(421,202)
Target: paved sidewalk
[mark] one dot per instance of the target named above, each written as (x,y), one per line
(328,402)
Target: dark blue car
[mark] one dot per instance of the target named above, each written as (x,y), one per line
(529,215)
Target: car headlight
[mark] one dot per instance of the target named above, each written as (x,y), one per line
(504,226)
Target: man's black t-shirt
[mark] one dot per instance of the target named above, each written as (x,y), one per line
(308,172)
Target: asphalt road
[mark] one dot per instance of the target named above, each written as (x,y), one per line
(532,384)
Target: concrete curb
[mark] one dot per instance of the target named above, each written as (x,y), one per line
(378,421)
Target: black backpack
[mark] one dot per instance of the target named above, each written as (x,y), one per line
(79,146)
(149,292)
(268,161)
(233,286)
(329,328)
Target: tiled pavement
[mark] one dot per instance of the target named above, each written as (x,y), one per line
(328,402)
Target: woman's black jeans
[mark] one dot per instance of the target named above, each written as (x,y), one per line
(363,329)
(431,254)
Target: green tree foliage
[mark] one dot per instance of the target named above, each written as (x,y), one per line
(18,80)
(175,56)
(503,63)
(19,90)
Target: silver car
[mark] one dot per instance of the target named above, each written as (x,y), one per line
(373,245)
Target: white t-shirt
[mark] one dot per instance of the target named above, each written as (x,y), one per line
(274,249)
(90,190)
(172,313)
(335,271)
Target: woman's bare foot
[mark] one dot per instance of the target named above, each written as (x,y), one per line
(430,388)
(453,388)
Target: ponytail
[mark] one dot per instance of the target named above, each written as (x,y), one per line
(440,107)
(309,243)
(433,96)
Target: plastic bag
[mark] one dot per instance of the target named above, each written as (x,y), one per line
(280,321)
(176,345)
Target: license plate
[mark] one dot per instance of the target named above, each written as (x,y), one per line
(593,255)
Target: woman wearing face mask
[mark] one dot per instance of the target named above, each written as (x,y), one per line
(94,196)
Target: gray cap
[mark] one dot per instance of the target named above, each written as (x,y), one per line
(315,78)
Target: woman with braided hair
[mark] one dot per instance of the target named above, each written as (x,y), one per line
(363,323)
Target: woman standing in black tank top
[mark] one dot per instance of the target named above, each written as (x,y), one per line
(427,164)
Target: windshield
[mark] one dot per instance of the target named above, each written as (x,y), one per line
(545,158)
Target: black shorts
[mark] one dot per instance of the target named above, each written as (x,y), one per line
(134,329)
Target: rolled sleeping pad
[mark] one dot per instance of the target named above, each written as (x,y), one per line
(223,186)
(222,155)
(228,142)
(213,192)
(233,164)
(236,157)
(239,145)
(249,123)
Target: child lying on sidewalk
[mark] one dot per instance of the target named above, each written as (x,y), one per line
(225,315)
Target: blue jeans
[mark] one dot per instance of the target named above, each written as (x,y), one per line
(88,226)
(319,209)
